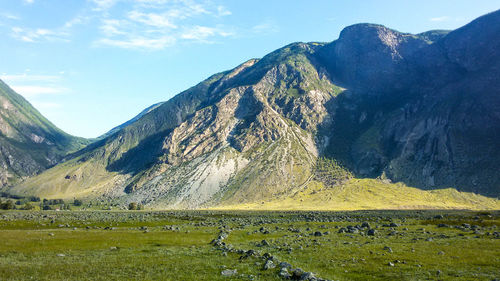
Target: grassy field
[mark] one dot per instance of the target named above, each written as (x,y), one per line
(202,245)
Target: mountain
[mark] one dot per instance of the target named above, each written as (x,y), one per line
(118,128)
(29,143)
(422,109)
(425,114)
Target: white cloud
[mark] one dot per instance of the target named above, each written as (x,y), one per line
(38,34)
(265,28)
(111,27)
(202,33)
(223,11)
(34,85)
(139,42)
(152,19)
(75,21)
(29,1)
(440,19)
(199,33)
(158,24)
(10,16)
(101,5)
(152,2)
(178,8)
(59,34)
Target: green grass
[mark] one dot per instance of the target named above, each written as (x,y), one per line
(371,194)
(29,251)
(33,241)
(341,257)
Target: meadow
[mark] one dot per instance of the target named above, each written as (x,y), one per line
(249,245)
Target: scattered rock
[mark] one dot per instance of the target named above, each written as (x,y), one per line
(269,264)
(285,265)
(229,272)
(308,276)
(284,273)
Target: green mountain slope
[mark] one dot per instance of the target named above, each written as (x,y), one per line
(370,194)
(29,143)
(421,109)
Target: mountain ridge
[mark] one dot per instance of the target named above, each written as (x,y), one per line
(376,102)
(29,142)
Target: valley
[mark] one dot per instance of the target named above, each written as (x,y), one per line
(309,116)
(370,157)
(242,245)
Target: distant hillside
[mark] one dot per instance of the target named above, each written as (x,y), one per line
(137,117)
(420,109)
(29,143)
(370,194)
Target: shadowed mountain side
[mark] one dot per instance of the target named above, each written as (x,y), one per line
(421,109)
(29,143)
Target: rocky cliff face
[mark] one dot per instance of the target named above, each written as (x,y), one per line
(29,143)
(433,122)
(422,109)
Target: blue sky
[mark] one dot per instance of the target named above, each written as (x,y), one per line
(89,65)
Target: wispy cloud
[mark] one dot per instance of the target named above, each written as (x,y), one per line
(158,24)
(34,85)
(9,16)
(58,34)
(101,5)
(139,42)
(440,19)
(29,2)
(139,24)
(112,27)
(266,27)
(223,11)
(38,34)
(202,33)
(76,21)
(152,19)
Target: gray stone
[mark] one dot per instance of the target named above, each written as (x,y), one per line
(229,272)
(269,264)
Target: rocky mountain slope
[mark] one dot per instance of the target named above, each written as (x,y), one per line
(421,109)
(29,143)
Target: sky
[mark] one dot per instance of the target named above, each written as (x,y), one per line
(90,65)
